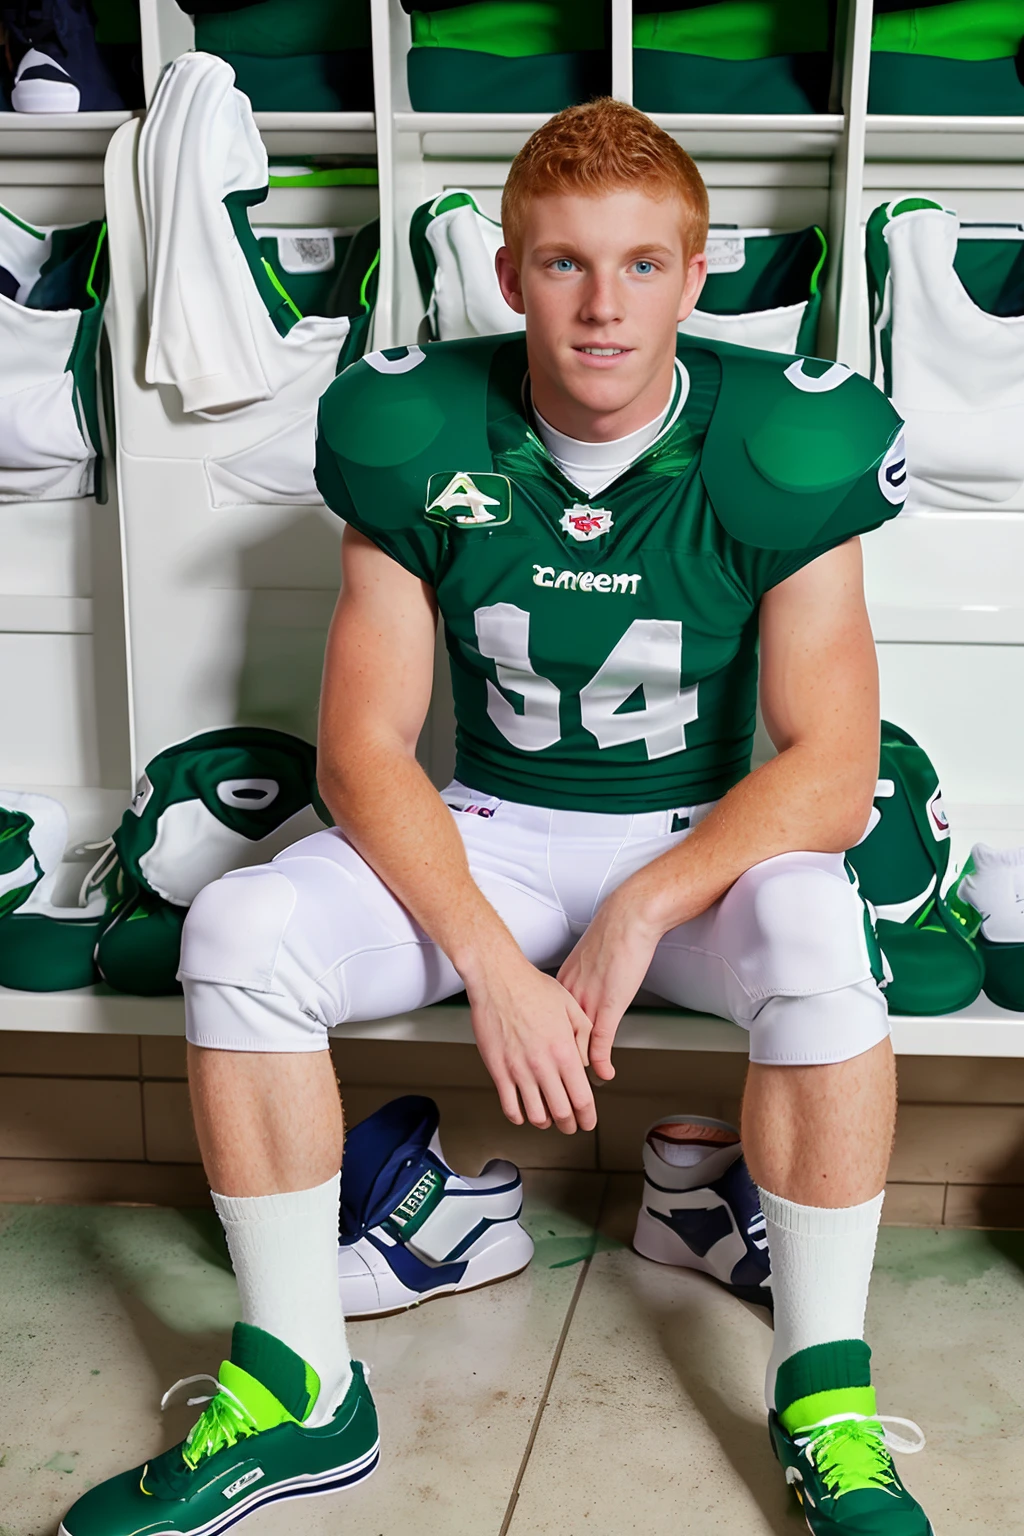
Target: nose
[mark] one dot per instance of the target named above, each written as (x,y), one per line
(602,299)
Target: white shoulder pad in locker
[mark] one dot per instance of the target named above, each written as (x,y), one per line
(454,246)
(948,334)
(763,289)
(49,331)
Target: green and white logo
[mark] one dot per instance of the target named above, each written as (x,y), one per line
(461,500)
(413,1211)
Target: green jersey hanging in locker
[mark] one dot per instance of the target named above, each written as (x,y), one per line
(604,649)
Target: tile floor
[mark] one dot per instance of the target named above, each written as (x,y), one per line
(597,1394)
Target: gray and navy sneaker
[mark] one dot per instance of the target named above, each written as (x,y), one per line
(700,1206)
(57,63)
(411,1228)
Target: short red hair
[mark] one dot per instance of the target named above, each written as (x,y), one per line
(600,147)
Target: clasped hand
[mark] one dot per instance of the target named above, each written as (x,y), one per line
(537,1034)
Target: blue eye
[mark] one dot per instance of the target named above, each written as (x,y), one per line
(563,264)
(644,267)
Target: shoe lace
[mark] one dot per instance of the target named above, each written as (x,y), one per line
(851,1451)
(224,1421)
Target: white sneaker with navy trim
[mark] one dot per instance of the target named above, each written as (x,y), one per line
(411,1228)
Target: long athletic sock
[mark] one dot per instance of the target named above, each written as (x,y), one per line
(284,1249)
(821,1269)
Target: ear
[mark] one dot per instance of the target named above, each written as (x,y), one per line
(696,275)
(509,281)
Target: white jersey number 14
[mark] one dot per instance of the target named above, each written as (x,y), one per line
(649,657)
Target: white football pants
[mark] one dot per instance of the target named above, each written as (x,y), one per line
(275,956)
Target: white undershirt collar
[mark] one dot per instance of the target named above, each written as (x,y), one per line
(593,466)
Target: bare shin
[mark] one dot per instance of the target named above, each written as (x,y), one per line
(267,1123)
(822,1135)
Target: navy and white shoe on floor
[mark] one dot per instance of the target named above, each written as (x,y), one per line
(411,1228)
(700,1208)
(57,62)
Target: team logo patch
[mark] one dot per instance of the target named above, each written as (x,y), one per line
(585,523)
(461,500)
(937,818)
(892,473)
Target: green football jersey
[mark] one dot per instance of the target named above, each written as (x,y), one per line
(604,648)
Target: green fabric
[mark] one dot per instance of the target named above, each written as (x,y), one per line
(201,770)
(902,863)
(280,29)
(328,81)
(694,541)
(935,970)
(348,288)
(514,29)
(15,853)
(914,84)
(737,29)
(777,271)
(821,1368)
(45,954)
(279,1369)
(1004,973)
(958,29)
(448,80)
(680,82)
(117,21)
(992,271)
(139,949)
(825,1404)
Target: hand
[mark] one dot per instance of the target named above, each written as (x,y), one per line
(606,970)
(533,1039)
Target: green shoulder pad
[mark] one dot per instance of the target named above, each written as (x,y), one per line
(391,407)
(789,441)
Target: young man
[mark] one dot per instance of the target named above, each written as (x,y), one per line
(609,519)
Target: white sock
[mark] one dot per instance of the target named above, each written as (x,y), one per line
(821,1270)
(284,1250)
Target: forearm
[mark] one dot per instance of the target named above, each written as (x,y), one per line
(803,799)
(383,801)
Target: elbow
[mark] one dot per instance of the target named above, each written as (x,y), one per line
(851,813)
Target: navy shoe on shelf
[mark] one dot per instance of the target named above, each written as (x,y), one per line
(700,1207)
(56,61)
(411,1228)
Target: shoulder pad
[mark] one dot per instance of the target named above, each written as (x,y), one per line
(392,406)
(788,441)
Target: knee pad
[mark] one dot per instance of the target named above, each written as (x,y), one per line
(820,1029)
(802,926)
(234,929)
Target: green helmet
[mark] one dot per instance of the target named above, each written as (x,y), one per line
(900,864)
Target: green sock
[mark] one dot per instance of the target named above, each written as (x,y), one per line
(822,1381)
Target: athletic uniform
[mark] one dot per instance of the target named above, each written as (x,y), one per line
(603,647)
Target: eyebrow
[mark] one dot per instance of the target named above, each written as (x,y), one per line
(566,249)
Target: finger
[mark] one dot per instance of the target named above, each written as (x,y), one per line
(533,1102)
(582,1028)
(557,1101)
(581,1095)
(602,1038)
(508,1098)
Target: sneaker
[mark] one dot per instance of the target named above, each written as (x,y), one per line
(836,1450)
(56,61)
(411,1228)
(248,1448)
(700,1207)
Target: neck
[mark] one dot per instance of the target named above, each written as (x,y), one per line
(589,424)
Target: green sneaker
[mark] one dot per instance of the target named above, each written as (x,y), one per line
(835,1449)
(248,1448)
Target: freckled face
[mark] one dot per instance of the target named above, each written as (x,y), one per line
(603,283)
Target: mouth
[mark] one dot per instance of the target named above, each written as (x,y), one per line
(602,357)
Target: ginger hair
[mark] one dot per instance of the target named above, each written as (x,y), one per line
(599,147)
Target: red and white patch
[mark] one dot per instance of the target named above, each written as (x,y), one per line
(937,818)
(585,523)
